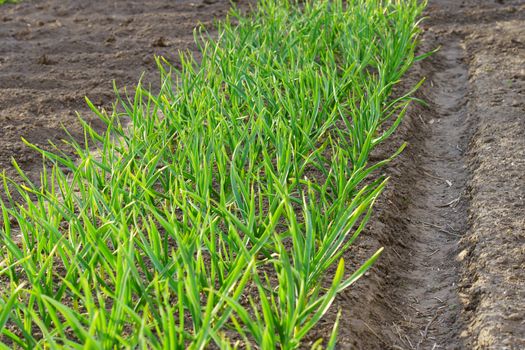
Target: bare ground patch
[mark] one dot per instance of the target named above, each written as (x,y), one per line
(53,53)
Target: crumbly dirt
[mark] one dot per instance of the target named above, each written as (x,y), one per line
(53,53)
(493,275)
(452,220)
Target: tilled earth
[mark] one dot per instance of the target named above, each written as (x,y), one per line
(53,53)
(452,220)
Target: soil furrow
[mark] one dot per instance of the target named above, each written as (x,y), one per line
(451,220)
(410,299)
(464,283)
(436,214)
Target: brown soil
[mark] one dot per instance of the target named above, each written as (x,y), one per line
(452,220)
(53,53)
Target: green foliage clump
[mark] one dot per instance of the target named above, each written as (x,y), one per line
(219,214)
